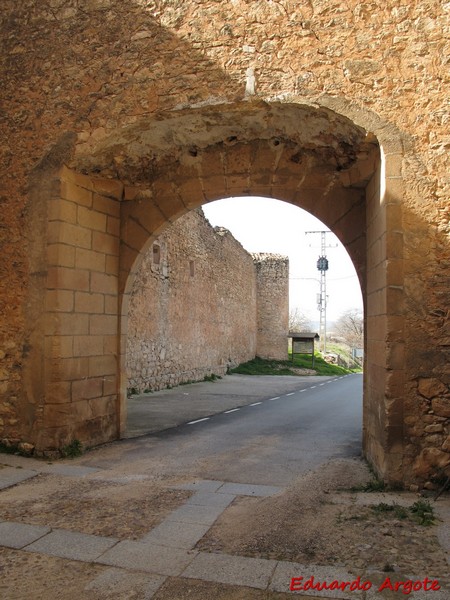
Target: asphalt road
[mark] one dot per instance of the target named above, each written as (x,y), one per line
(268,441)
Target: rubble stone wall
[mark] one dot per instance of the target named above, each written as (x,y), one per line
(192,309)
(272,284)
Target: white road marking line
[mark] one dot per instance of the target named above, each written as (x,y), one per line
(291,394)
(302,391)
(321,384)
(255,403)
(276,398)
(312,387)
(198,421)
(227,412)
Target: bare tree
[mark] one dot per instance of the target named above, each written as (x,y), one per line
(350,326)
(298,321)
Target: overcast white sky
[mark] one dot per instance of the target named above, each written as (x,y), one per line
(267,225)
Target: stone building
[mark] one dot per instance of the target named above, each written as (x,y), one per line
(119,116)
(200,304)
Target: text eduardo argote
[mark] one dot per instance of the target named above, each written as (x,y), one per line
(299,584)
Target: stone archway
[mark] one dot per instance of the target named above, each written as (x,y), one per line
(120,191)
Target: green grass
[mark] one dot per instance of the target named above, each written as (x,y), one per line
(344,352)
(212,377)
(423,512)
(320,366)
(72,450)
(4,449)
(260,366)
(399,512)
(374,485)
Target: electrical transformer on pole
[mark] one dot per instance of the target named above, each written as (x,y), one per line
(322,266)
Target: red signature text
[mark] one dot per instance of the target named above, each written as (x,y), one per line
(299,584)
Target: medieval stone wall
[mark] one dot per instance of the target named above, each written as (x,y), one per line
(81,77)
(192,310)
(272,284)
(201,304)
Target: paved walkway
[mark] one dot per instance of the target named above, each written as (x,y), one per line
(168,549)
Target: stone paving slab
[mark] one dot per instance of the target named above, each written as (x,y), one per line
(284,571)
(201,515)
(175,535)
(72,545)
(205,485)
(12,476)
(18,535)
(235,570)
(150,558)
(243,489)
(113,582)
(210,499)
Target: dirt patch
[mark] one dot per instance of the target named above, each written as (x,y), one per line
(311,522)
(299,371)
(30,575)
(90,506)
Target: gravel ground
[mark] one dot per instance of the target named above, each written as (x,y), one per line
(122,510)
(316,521)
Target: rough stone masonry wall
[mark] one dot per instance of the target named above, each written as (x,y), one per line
(193,307)
(272,277)
(76,71)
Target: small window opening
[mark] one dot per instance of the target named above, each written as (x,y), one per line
(156,254)
(191,268)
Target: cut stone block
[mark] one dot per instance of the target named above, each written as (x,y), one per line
(18,535)
(11,476)
(176,535)
(201,515)
(235,570)
(150,558)
(72,545)
(210,499)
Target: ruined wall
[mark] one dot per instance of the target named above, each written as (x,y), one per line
(272,284)
(192,310)
(77,72)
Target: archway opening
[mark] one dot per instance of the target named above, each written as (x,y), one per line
(201,304)
(157,170)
